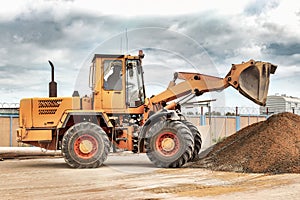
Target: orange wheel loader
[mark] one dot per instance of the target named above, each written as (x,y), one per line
(118,116)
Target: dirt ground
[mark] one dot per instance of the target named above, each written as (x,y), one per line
(133,176)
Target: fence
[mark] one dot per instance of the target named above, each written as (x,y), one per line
(212,128)
(8,124)
(9,105)
(8,134)
(215,128)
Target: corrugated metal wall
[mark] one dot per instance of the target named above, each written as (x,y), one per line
(277,104)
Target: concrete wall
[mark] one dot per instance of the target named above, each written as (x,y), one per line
(213,129)
(8,133)
(216,128)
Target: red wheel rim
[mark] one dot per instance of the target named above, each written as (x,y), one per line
(167,143)
(85,146)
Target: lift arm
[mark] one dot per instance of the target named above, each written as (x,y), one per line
(250,78)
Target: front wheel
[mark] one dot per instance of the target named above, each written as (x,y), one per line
(85,145)
(197,141)
(169,144)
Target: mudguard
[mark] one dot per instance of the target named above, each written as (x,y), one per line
(164,114)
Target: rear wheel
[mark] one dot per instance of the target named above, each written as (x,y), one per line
(197,141)
(169,144)
(85,145)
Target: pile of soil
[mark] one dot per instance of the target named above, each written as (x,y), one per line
(271,146)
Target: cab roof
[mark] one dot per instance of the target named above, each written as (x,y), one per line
(108,56)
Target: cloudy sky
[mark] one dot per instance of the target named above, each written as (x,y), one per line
(199,36)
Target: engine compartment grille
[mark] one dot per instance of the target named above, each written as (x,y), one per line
(49,107)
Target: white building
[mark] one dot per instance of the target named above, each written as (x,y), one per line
(281,103)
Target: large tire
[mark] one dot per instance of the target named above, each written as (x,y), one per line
(197,141)
(169,144)
(85,145)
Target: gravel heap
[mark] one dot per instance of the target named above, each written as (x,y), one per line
(271,146)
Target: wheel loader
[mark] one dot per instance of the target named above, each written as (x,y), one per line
(117,115)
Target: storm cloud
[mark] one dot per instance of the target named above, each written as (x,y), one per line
(205,41)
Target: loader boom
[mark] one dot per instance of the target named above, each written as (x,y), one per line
(250,78)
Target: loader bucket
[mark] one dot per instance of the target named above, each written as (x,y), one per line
(253,81)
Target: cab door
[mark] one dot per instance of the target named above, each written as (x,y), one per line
(113,93)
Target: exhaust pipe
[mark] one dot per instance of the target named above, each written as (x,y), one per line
(52,84)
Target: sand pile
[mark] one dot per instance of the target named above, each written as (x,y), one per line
(271,146)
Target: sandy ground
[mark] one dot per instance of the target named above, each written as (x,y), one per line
(132,176)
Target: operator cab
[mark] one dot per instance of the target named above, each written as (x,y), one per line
(117,82)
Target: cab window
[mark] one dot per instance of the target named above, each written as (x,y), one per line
(112,74)
(134,83)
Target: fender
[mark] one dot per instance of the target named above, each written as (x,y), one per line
(163,114)
(68,114)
